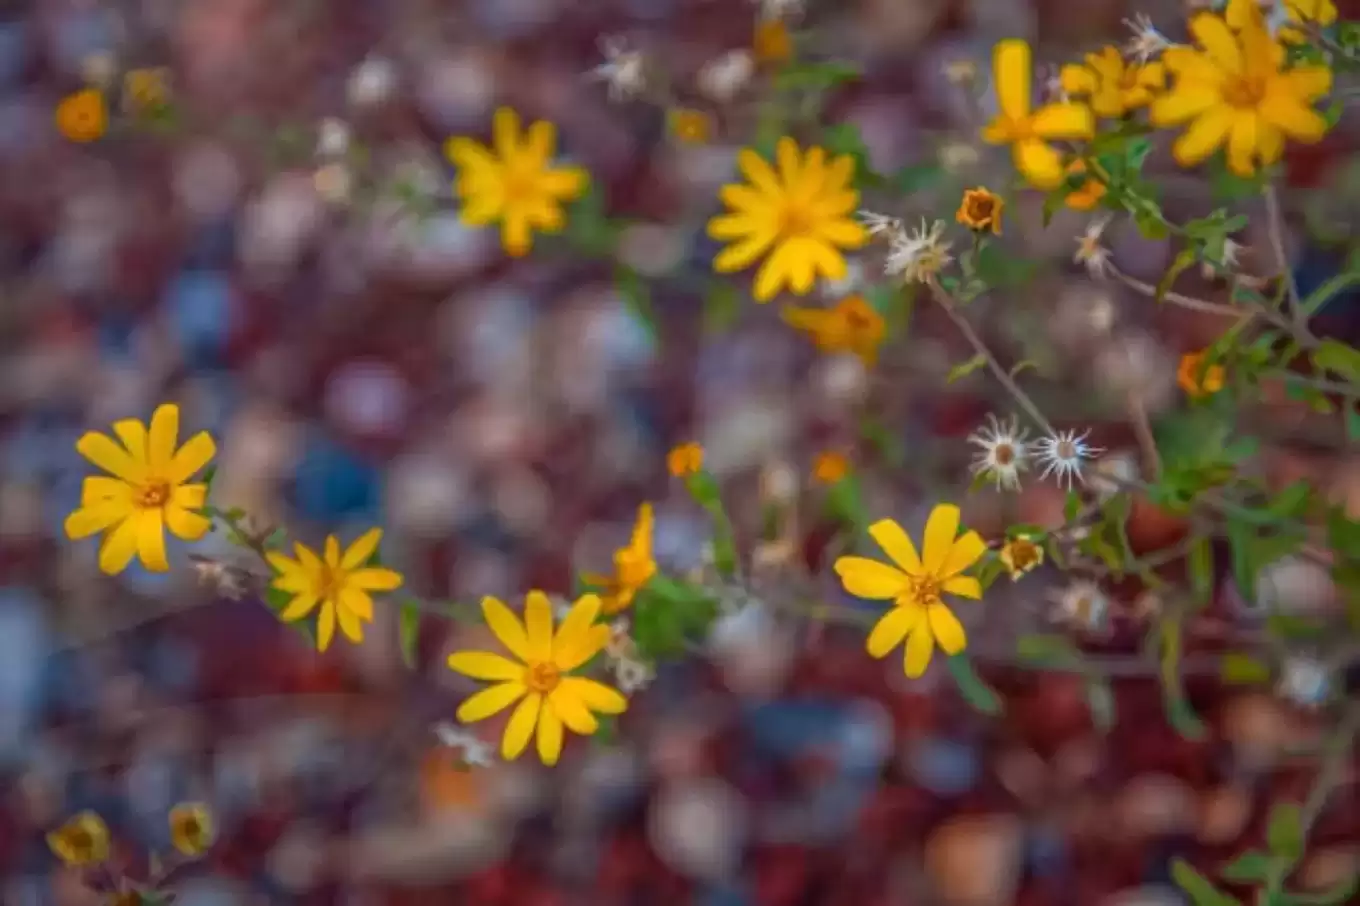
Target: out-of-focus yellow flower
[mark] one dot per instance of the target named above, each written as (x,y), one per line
(83,116)
(341,583)
(147,493)
(772,43)
(1235,89)
(512,182)
(1020,555)
(693,127)
(1197,380)
(538,678)
(851,325)
(1113,85)
(980,210)
(146,90)
(685,459)
(1086,196)
(1028,131)
(83,840)
(191,828)
(830,467)
(915,584)
(634,566)
(1311,13)
(799,218)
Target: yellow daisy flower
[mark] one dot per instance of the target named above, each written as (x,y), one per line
(801,216)
(915,584)
(851,325)
(1235,90)
(149,490)
(634,566)
(1026,130)
(191,828)
(512,182)
(82,840)
(549,698)
(1113,86)
(340,582)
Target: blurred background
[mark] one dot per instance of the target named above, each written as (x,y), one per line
(363,359)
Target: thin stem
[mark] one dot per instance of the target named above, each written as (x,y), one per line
(1143,429)
(1275,228)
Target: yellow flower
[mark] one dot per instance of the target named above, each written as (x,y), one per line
(693,127)
(1088,194)
(549,698)
(771,42)
(851,325)
(800,215)
(685,459)
(980,210)
(145,90)
(915,585)
(830,467)
(147,493)
(341,583)
(82,840)
(83,116)
(1234,89)
(1113,86)
(1026,130)
(512,182)
(1195,379)
(191,828)
(634,566)
(1020,555)
(1311,13)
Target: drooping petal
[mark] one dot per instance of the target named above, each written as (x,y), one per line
(119,547)
(1203,137)
(196,453)
(865,578)
(90,520)
(1295,119)
(573,712)
(966,551)
(506,627)
(941,527)
(916,655)
(521,726)
(358,553)
(376,578)
(325,626)
(1040,163)
(538,624)
(892,628)
(301,605)
(350,625)
(489,701)
(163,437)
(1012,72)
(896,544)
(549,736)
(484,665)
(1064,121)
(184,524)
(101,450)
(964,587)
(151,540)
(594,695)
(946,629)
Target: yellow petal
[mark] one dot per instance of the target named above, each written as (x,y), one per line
(307,558)
(896,544)
(892,628)
(190,458)
(506,627)
(964,587)
(916,655)
(1308,83)
(1064,121)
(1218,41)
(101,450)
(376,579)
(865,578)
(540,141)
(516,238)
(325,626)
(572,712)
(355,601)
(745,200)
(592,643)
(484,665)
(90,520)
(1012,72)
(521,726)
(790,162)
(190,496)
(1184,103)
(505,132)
(941,527)
(299,607)
(596,696)
(757,172)
(726,227)
(489,701)
(549,736)
(1203,137)
(1243,140)
(119,547)
(842,232)
(358,553)
(332,551)
(350,625)
(563,183)
(1192,67)
(295,581)
(151,540)
(741,255)
(773,275)
(1296,120)
(538,623)
(574,630)
(965,552)
(132,434)
(946,629)
(162,438)
(184,524)
(103,489)
(1040,163)
(469,154)
(1077,79)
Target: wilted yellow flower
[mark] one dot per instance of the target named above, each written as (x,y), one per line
(341,583)
(915,585)
(145,90)
(512,182)
(83,116)
(191,828)
(685,459)
(693,127)
(980,210)
(1088,194)
(1026,130)
(539,676)
(147,493)
(830,467)
(1236,89)
(82,840)
(799,217)
(851,325)
(1197,380)
(1020,555)
(1111,84)
(772,42)
(634,566)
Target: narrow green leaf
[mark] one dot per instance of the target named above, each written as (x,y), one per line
(1182,262)
(1242,669)
(1201,891)
(408,631)
(208,475)
(703,489)
(964,369)
(1250,867)
(1100,699)
(1200,561)
(977,693)
(1178,711)
(637,298)
(1333,355)
(1284,831)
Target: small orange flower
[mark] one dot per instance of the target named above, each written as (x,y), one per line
(1088,195)
(830,467)
(851,325)
(685,459)
(772,42)
(191,828)
(980,210)
(1197,380)
(83,116)
(1020,555)
(693,127)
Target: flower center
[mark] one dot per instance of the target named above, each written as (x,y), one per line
(519,186)
(794,221)
(980,209)
(926,589)
(153,494)
(1004,454)
(329,583)
(1024,554)
(1244,91)
(542,677)
(80,841)
(1066,449)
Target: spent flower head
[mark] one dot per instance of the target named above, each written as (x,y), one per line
(1146,41)
(722,79)
(470,748)
(624,70)
(1083,605)
(1021,554)
(1004,452)
(919,256)
(1064,454)
(1091,253)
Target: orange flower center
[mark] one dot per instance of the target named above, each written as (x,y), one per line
(1004,454)
(153,494)
(1244,91)
(542,677)
(794,221)
(926,589)
(981,208)
(1023,554)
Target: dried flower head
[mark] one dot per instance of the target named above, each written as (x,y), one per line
(624,69)
(1064,454)
(881,226)
(332,137)
(920,256)
(1305,681)
(1004,452)
(1090,253)
(470,749)
(722,79)
(1020,555)
(146,90)
(632,675)
(1083,605)
(1147,42)
(980,210)
(1227,263)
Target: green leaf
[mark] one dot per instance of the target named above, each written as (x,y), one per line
(1201,891)
(977,693)
(819,76)
(1333,355)
(1243,669)
(1135,153)
(1201,563)
(846,502)
(408,631)
(1182,262)
(208,475)
(722,307)
(1071,506)
(915,178)
(1047,650)
(1284,831)
(704,489)
(1178,711)
(965,368)
(1250,867)
(845,138)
